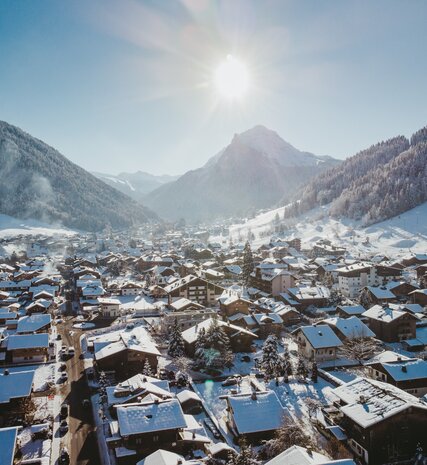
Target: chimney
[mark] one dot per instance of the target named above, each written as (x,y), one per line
(253,395)
(6,372)
(404,369)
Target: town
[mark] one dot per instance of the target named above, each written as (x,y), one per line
(165,345)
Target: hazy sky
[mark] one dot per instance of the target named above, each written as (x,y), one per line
(127,85)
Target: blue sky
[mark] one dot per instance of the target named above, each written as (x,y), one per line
(127,85)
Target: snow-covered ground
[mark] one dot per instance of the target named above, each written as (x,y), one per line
(11,227)
(397,236)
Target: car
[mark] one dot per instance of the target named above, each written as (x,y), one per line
(65,410)
(58,337)
(245,358)
(213,429)
(71,351)
(85,403)
(63,427)
(62,367)
(59,321)
(64,377)
(63,349)
(64,456)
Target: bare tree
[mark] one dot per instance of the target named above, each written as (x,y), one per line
(359,348)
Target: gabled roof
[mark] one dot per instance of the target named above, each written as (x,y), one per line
(320,337)
(162,457)
(262,412)
(350,327)
(385,314)
(15,385)
(28,341)
(369,402)
(137,419)
(33,323)
(297,455)
(8,438)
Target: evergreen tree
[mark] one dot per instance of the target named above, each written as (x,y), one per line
(302,370)
(270,362)
(314,372)
(213,347)
(248,264)
(146,371)
(176,342)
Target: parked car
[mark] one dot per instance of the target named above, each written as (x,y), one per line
(62,367)
(213,429)
(63,427)
(64,377)
(71,351)
(65,410)
(64,456)
(85,403)
(58,337)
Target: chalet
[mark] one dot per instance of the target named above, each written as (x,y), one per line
(240,339)
(384,423)
(231,303)
(256,415)
(391,325)
(272,278)
(378,295)
(415,259)
(194,288)
(149,426)
(183,304)
(419,296)
(109,307)
(407,374)
(190,402)
(36,323)
(318,343)
(348,328)
(264,324)
(326,249)
(232,271)
(137,388)
(185,319)
(28,347)
(124,351)
(130,288)
(303,297)
(39,306)
(288,314)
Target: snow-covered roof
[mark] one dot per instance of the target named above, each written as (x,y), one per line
(308,293)
(297,455)
(350,327)
(32,323)
(27,341)
(387,356)
(8,445)
(182,303)
(386,314)
(190,334)
(15,385)
(321,336)
(381,292)
(162,457)
(254,413)
(187,395)
(369,401)
(407,370)
(148,418)
(352,309)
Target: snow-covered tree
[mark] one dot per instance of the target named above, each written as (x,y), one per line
(146,370)
(302,370)
(176,342)
(271,363)
(359,348)
(314,372)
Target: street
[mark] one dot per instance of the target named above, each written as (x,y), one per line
(80,439)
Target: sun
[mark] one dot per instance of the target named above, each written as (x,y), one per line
(231,79)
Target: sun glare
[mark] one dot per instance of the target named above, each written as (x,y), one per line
(232,79)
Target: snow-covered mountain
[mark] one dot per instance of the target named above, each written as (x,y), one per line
(256,170)
(40,183)
(135,185)
(378,183)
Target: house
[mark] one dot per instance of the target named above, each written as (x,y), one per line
(190,402)
(378,295)
(109,307)
(264,324)
(303,297)
(288,314)
(185,319)
(36,323)
(345,311)
(9,445)
(130,288)
(137,388)
(146,427)
(183,304)
(318,343)
(231,303)
(391,325)
(348,328)
(240,339)
(407,374)
(272,278)
(353,278)
(419,296)
(384,423)
(195,288)
(124,351)
(28,347)
(256,415)
(163,457)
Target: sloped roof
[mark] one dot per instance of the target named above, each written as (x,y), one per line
(321,336)
(15,385)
